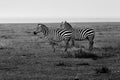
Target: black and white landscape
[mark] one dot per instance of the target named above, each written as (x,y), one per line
(24,57)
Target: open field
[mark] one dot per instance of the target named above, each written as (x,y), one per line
(22,57)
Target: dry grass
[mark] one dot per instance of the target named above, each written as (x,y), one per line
(22,57)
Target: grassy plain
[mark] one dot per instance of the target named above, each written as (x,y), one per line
(22,57)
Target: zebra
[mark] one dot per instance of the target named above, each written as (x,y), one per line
(80,34)
(54,35)
(65,25)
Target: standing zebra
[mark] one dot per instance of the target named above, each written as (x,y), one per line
(80,34)
(54,35)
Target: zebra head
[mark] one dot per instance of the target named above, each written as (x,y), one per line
(41,28)
(37,29)
(66,25)
(62,26)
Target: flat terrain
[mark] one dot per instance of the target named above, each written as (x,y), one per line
(23,57)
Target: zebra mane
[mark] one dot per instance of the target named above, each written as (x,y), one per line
(41,24)
(67,25)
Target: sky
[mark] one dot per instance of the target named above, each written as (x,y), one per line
(59,10)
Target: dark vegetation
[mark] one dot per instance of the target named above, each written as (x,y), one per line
(80,64)
(93,55)
(102,70)
(63,64)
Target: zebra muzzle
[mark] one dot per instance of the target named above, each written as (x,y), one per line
(34,33)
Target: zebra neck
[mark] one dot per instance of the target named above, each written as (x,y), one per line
(46,32)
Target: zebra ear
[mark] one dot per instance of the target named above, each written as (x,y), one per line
(39,25)
(61,23)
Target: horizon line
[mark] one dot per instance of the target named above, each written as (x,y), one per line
(55,20)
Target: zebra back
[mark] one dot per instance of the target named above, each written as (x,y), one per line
(59,34)
(55,34)
(82,33)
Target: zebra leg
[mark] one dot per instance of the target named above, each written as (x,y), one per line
(66,42)
(91,45)
(73,42)
(66,46)
(91,42)
(53,46)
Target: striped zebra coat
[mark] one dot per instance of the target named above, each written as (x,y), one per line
(80,34)
(54,35)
